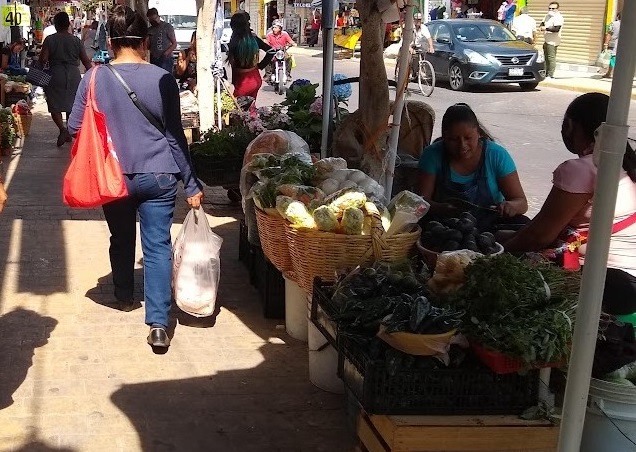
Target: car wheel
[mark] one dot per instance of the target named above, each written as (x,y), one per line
(456,78)
(528,86)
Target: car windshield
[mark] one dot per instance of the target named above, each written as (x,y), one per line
(472,32)
(181,21)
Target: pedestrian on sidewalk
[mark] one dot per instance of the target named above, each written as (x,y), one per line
(611,41)
(152,161)
(509,16)
(551,26)
(162,41)
(316,25)
(61,52)
(524,26)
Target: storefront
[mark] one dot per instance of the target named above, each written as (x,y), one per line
(583,30)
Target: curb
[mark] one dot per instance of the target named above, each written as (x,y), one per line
(579,88)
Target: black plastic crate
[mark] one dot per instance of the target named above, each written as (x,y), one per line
(473,390)
(322,311)
(270,285)
(217,173)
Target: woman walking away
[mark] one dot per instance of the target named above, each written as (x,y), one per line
(243,53)
(62,52)
(152,161)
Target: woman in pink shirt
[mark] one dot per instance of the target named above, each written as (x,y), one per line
(570,202)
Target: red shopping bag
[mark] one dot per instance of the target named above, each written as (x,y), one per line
(94,176)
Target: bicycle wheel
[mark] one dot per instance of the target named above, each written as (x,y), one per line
(426,78)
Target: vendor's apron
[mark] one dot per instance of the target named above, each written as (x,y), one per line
(475,192)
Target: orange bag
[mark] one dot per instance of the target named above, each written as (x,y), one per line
(94,176)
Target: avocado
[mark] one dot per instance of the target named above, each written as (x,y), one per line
(428,227)
(469,216)
(452,222)
(451,245)
(453,234)
(466,225)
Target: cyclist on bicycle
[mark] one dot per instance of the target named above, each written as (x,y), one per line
(422,42)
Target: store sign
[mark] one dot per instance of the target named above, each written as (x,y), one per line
(302,5)
(16,15)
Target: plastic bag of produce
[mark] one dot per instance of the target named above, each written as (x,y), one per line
(276,142)
(352,178)
(329,165)
(406,209)
(449,270)
(302,193)
(196,266)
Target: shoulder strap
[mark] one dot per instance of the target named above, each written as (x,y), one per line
(616,227)
(142,108)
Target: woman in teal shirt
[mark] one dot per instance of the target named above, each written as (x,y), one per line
(466,170)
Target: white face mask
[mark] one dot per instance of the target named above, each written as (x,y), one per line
(551,13)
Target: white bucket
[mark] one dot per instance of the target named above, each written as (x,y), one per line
(618,402)
(323,362)
(295,311)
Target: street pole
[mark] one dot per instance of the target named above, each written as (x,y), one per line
(608,153)
(398,105)
(327,73)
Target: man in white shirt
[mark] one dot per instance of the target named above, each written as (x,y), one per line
(551,26)
(525,27)
(49,30)
(422,42)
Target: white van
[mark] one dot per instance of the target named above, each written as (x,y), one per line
(182,15)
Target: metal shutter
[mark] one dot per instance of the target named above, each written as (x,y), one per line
(583,29)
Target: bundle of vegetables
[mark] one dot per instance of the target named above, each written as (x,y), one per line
(350,211)
(522,309)
(288,174)
(419,316)
(365,296)
(452,234)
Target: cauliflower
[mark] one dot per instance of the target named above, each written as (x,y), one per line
(352,221)
(325,219)
(298,215)
(348,199)
(282,202)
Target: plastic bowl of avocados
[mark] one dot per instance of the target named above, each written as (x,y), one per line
(454,234)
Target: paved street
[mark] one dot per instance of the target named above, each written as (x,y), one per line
(528,124)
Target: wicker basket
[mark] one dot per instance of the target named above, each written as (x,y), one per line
(271,230)
(23,124)
(315,253)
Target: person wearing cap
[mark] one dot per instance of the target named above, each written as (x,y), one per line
(422,42)
(280,39)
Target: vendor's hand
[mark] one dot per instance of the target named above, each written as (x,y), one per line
(507,209)
(195,201)
(3,197)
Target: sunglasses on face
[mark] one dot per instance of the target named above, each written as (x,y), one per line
(553,9)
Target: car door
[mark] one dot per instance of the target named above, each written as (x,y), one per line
(443,44)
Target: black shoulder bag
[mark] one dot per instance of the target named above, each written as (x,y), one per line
(142,108)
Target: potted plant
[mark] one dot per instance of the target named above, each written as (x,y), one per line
(7,130)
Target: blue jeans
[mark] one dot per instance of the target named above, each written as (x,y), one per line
(166,63)
(153,195)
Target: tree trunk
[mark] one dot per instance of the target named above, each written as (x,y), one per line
(205,57)
(141,6)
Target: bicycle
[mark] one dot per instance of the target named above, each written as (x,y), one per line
(425,73)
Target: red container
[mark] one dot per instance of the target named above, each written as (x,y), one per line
(504,364)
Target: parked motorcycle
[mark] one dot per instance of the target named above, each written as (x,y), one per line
(278,77)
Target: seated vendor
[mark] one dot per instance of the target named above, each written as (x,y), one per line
(11,60)
(567,211)
(466,167)
(186,66)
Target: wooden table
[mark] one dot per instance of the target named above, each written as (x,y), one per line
(379,433)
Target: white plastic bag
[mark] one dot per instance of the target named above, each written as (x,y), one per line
(196,265)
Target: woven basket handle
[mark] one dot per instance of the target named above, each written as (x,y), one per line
(378,243)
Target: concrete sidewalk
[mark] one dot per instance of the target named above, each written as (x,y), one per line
(78,376)
(568,77)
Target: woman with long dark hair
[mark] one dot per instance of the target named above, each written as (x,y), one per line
(152,160)
(568,208)
(243,56)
